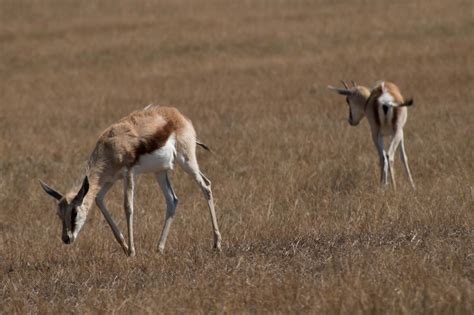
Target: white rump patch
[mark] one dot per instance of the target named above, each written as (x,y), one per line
(158,160)
(387,99)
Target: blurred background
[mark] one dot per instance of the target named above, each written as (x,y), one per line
(305,226)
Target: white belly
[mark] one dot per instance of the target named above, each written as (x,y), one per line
(158,160)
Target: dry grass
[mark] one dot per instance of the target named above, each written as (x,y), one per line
(304,225)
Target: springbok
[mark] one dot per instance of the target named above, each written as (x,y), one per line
(386,111)
(147,140)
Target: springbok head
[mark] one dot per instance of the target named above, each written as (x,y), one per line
(70,210)
(356,96)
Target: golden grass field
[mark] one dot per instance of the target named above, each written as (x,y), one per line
(305,226)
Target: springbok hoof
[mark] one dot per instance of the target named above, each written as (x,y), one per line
(161,250)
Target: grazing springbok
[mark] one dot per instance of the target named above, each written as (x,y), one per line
(145,141)
(386,111)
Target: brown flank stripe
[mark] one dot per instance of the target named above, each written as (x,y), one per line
(154,141)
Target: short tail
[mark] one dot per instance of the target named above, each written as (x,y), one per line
(204,146)
(408,102)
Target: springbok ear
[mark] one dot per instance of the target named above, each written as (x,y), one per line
(82,192)
(340,90)
(50,191)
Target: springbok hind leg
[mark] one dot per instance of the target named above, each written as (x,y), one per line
(397,137)
(206,188)
(191,167)
(378,141)
(404,158)
(171,203)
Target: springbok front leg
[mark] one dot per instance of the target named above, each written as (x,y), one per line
(171,203)
(191,166)
(100,203)
(404,159)
(397,137)
(128,190)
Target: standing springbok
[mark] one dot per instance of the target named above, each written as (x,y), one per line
(147,140)
(387,113)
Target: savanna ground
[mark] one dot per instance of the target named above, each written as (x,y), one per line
(305,226)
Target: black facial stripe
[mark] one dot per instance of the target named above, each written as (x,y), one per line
(73,219)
